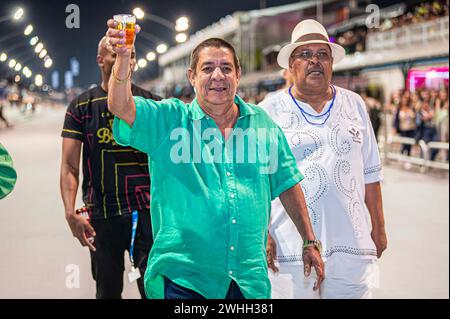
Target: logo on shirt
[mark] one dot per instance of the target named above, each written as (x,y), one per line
(356,134)
(105,135)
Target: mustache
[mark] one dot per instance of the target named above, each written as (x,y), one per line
(316,69)
(213,85)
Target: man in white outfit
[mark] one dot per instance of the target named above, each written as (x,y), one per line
(330,134)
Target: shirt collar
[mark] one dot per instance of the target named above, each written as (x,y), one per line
(196,112)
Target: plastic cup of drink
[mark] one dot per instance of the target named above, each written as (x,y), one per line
(126,22)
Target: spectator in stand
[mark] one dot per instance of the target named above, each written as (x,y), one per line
(394,102)
(405,122)
(373,106)
(425,97)
(391,109)
(434,96)
(418,13)
(426,127)
(415,100)
(442,117)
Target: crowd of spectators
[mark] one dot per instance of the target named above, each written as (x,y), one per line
(422,115)
(354,40)
(417,13)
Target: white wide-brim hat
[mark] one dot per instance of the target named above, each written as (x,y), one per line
(309,32)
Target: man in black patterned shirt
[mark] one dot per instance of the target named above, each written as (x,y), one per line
(115,184)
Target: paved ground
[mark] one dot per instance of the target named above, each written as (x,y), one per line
(37,247)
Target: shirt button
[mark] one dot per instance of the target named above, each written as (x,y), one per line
(234,221)
(230,272)
(228,174)
(232,195)
(232,248)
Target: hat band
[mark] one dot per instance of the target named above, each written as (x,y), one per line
(312,36)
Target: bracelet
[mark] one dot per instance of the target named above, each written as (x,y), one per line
(119,80)
(313,243)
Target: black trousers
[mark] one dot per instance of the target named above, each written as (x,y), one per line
(112,241)
(406,148)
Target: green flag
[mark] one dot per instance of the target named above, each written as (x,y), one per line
(8,175)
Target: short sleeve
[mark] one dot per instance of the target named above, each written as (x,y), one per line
(73,127)
(370,153)
(153,123)
(284,171)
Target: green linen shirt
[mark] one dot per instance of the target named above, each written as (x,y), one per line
(210,198)
(8,175)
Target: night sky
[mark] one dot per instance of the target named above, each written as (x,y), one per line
(48,18)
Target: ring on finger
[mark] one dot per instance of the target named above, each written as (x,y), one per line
(109,42)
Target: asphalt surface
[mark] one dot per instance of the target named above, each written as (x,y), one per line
(41,259)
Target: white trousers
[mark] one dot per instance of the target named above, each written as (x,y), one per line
(345,278)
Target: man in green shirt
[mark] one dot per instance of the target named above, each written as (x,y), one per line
(215,166)
(8,175)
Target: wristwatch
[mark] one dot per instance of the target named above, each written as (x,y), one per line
(315,243)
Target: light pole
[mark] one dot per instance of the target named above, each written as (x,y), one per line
(181,25)
(17,46)
(179,28)
(10,36)
(161,46)
(150,55)
(140,14)
(151,37)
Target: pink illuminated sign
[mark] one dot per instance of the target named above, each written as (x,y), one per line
(431,78)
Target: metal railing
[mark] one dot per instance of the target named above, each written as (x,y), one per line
(427,154)
(390,153)
(410,35)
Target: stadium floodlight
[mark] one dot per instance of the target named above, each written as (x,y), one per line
(139,13)
(162,48)
(42,54)
(28,30)
(48,63)
(142,63)
(18,14)
(181,38)
(12,63)
(182,24)
(38,80)
(151,56)
(34,40)
(39,47)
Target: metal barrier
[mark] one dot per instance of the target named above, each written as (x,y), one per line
(411,36)
(427,154)
(423,161)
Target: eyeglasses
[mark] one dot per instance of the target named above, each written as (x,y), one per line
(308,55)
